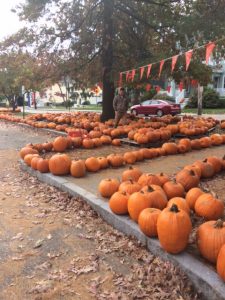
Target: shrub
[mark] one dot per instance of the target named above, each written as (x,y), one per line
(210,99)
(86,102)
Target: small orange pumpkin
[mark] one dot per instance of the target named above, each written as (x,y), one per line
(131,173)
(77,168)
(147,221)
(118,203)
(107,187)
(92,164)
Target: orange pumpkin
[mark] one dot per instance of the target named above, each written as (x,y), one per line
(170,148)
(60,144)
(107,187)
(92,164)
(147,221)
(28,158)
(103,162)
(129,186)
(188,178)
(173,189)
(115,160)
(148,179)
(118,203)
(27,150)
(209,207)
(136,203)
(131,173)
(34,162)
(163,178)
(77,168)
(220,266)
(116,142)
(180,203)
(173,227)
(129,157)
(210,239)
(156,195)
(43,165)
(192,196)
(59,164)
(215,162)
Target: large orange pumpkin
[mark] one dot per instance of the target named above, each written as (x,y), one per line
(209,207)
(173,227)
(59,164)
(210,238)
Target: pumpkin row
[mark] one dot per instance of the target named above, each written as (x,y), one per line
(162,207)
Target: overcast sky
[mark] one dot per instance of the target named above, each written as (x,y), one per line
(9,22)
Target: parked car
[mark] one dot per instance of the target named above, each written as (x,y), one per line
(156,107)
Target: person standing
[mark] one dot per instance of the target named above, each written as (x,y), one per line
(120,105)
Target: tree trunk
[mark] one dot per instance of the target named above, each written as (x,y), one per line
(35,102)
(107,61)
(200,92)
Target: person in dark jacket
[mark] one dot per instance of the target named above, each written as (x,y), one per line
(120,105)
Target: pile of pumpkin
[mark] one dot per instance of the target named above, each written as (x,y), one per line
(94,164)
(162,207)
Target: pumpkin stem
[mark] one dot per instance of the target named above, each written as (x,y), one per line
(161,174)
(130,168)
(150,189)
(218,224)
(174,208)
(192,173)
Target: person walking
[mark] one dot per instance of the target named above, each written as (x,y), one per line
(120,105)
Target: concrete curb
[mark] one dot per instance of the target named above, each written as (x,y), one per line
(47,130)
(205,280)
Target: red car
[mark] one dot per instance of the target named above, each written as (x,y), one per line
(156,107)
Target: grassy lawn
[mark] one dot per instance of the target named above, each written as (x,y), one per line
(213,111)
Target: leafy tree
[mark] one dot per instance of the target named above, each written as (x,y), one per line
(92,40)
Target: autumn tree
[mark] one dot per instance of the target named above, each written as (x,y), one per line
(92,40)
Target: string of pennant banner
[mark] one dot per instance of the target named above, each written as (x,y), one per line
(130,74)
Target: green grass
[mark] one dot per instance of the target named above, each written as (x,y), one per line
(213,111)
